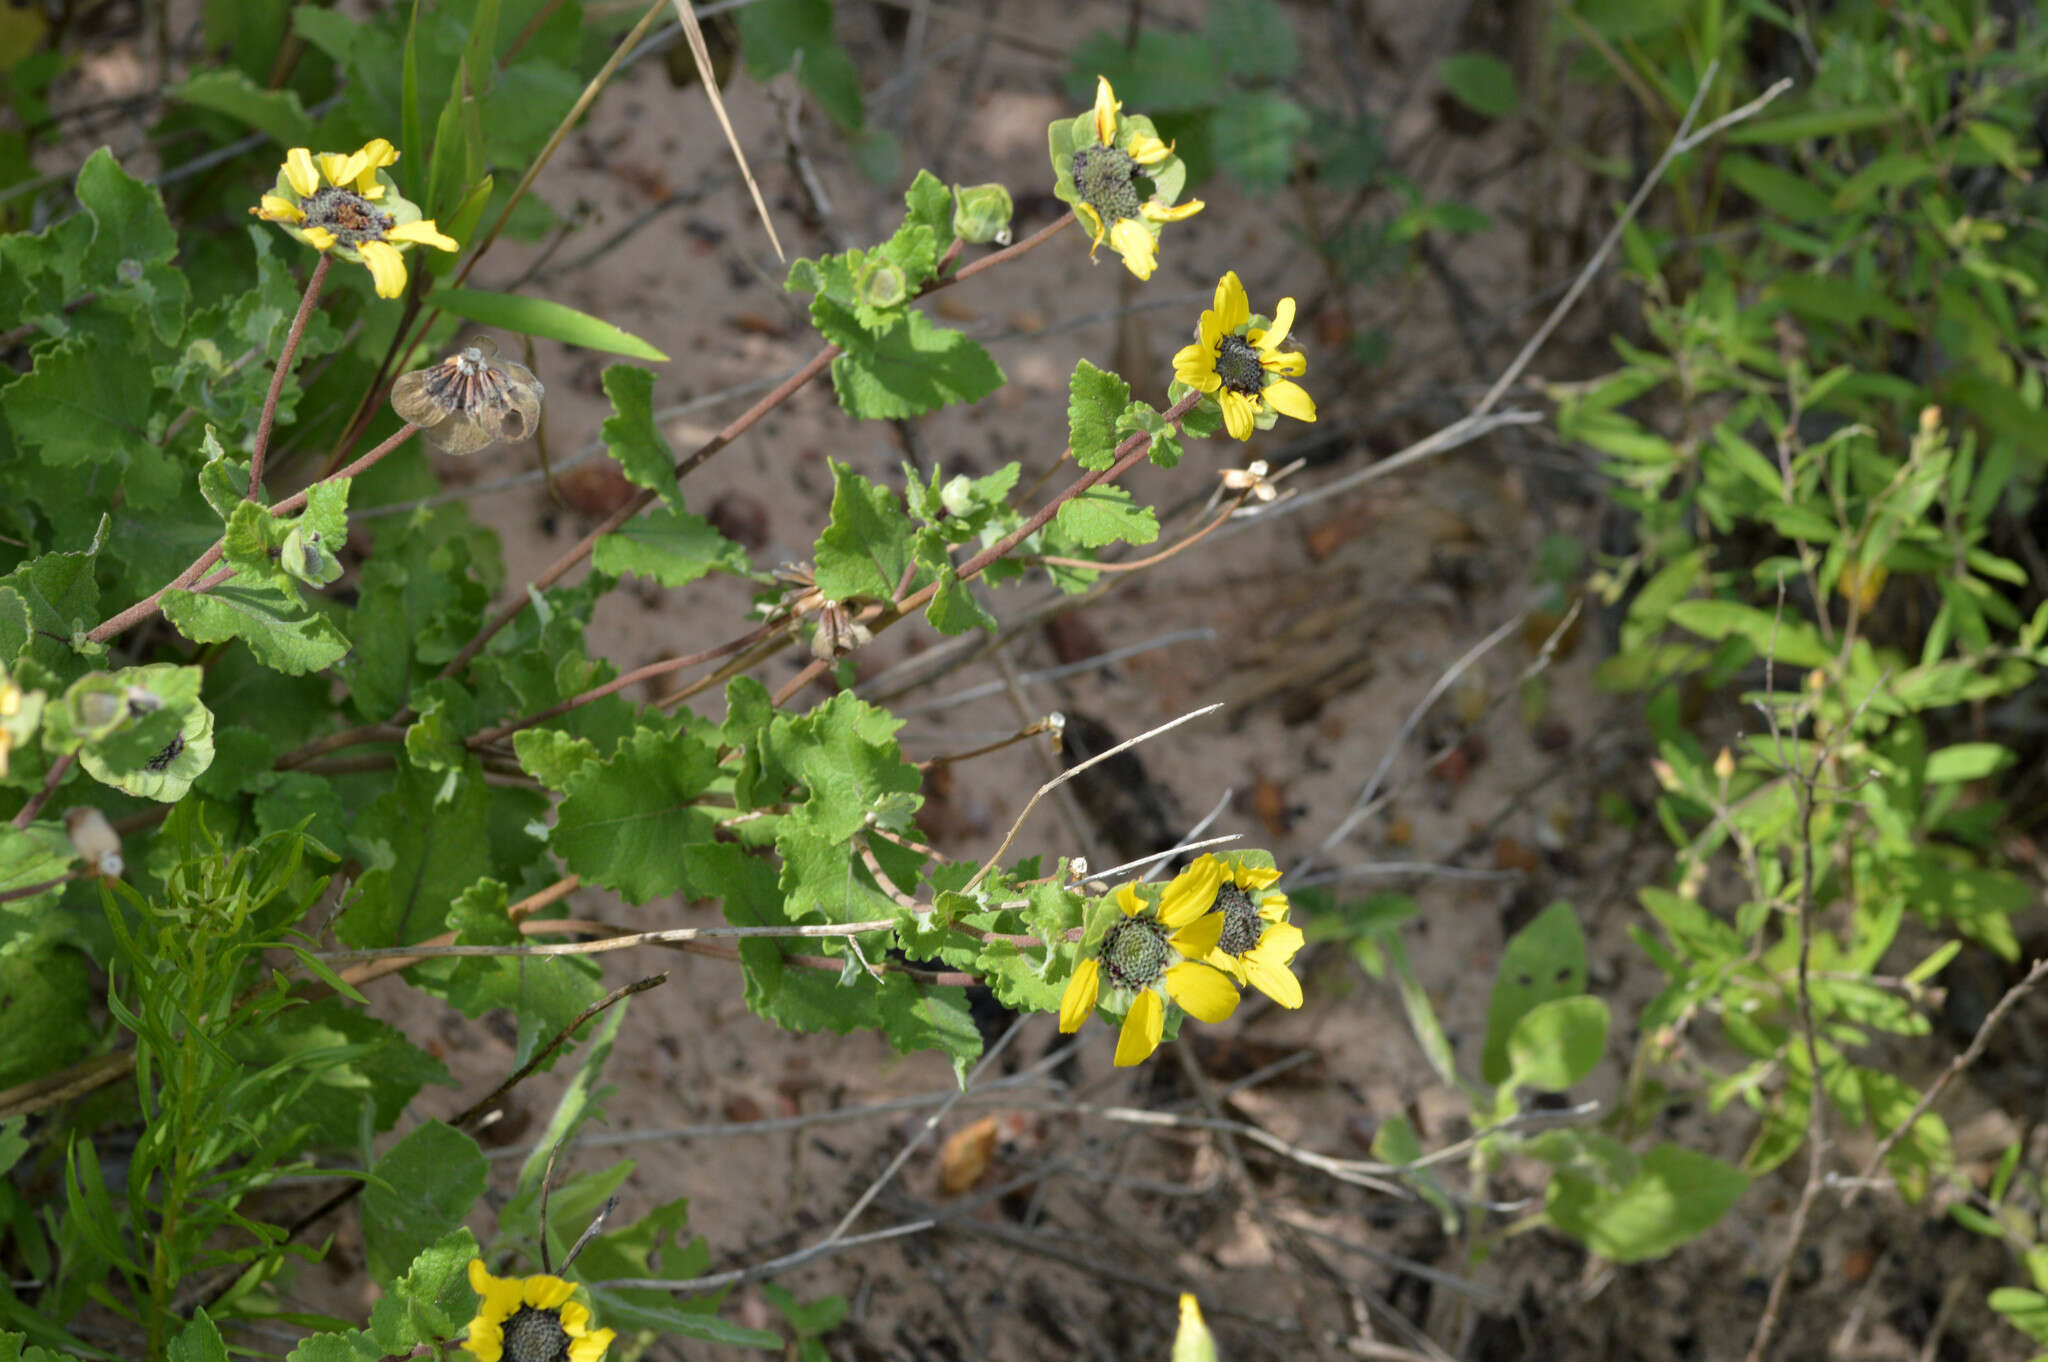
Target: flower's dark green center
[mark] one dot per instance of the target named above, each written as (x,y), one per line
(170,753)
(1237,364)
(1105,178)
(347,214)
(1242,925)
(535,1336)
(1134,954)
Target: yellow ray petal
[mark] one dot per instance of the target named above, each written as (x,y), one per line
(1233,308)
(591,1346)
(387,267)
(1199,937)
(273,208)
(1147,150)
(1091,222)
(1127,900)
(545,1293)
(574,1316)
(1136,245)
(1237,414)
(1290,399)
(1274,980)
(486,1342)
(1079,999)
(1206,994)
(1106,105)
(1280,942)
(300,171)
(1290,364)
(1144,1024)
(335,167)
(1159,212)
(1269,340)
(1191,893)
(501,1294)
(1255,876)
(423,233)
(319,238)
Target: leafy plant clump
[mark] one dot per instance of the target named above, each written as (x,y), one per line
(261,753)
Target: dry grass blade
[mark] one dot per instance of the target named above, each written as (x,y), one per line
(701,54)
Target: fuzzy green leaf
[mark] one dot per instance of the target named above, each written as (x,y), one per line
(631,436)
(625,819)
(1095,403)
(283,634)
(1105,515)
(866,548)
(909,370)
(421,1189)
(673,548)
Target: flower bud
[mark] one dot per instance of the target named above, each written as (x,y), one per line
(94,839)
(981,214)
(882,284)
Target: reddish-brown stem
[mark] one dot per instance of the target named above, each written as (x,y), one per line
(780,394)
(143,609)
(1128,454)
(41,797)
(581,549)
(334,742)
(619,683)
(284,367)
(31,890)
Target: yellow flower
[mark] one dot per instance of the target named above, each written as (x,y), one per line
(1258,943)
(1243,366)
(530,1319)
(348,205)
(1105,174)
(1153,956)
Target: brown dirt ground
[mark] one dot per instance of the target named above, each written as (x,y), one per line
(1328,628)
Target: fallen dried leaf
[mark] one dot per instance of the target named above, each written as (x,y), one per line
(965,1156)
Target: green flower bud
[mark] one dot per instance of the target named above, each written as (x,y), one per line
(882,284)
(981,214)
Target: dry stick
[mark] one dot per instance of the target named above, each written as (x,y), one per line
(143,609)
(1363,804)
(51,780)
(664,936)
(476,1109)
(768,1269)
(1961,1062)
(993,1091)
(1067,775)
(708,79)
(268,419)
